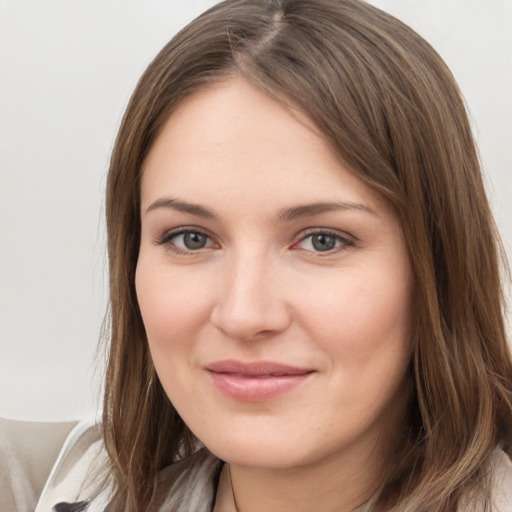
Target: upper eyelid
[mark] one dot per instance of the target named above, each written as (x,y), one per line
(330,231)
(186,229)
(171,233)
(346,241)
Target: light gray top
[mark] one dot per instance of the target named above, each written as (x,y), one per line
(43,464)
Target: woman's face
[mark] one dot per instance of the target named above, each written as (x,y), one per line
(274,285)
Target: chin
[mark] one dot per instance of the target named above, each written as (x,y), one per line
(260,457)
(258,451)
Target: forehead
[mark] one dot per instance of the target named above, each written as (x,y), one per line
(230,140)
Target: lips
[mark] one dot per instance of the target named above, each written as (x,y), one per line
(255,381)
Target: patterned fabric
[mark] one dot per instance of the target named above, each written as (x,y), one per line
(79,506)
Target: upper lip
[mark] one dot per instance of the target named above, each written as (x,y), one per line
(255,368)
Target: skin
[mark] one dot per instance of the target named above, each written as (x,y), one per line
(260,290)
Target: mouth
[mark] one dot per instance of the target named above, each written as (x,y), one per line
(255,381)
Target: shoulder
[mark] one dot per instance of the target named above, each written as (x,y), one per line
(498,498)
(77,474)
(78,480)
(28,451)
(501,467)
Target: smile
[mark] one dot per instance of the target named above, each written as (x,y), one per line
(255,382)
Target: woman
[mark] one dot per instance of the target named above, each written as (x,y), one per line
(306,311)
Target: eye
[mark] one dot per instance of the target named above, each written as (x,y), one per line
(323,242)
(186,240)
(192,240)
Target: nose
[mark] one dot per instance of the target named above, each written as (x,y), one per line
(251,303)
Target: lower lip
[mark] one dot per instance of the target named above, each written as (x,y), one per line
(255,389)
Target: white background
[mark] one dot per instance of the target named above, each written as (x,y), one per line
(67,69)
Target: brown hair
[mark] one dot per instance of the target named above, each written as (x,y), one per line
(391,110)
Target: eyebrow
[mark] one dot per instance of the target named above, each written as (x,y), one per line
(308,210)
(285,215)
(182,206)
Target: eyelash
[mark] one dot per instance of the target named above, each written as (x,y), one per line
(167,239)
(343,242)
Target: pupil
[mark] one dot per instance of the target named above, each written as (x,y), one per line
(194,240)
(323,242)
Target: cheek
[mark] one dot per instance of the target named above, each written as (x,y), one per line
(174,307)
(360,310)
(365,333)
(172,304)
(173,310)
(362,323)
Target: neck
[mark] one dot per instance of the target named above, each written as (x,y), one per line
(327,486)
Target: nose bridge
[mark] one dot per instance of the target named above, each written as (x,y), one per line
(249,301)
